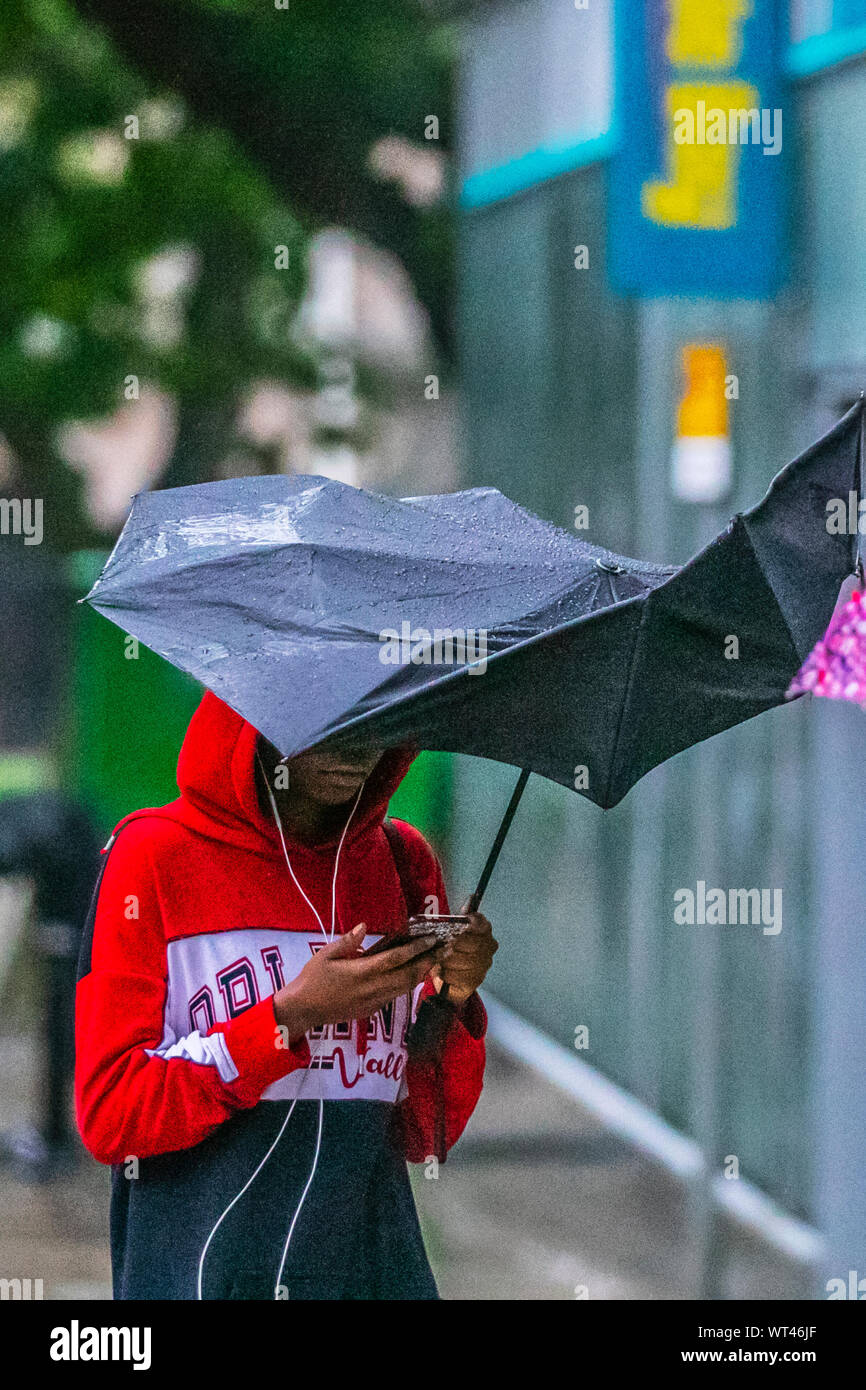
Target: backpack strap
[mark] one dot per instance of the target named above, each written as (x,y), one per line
(86,948)
(413,896)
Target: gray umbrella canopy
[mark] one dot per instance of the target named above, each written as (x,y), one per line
(462,622)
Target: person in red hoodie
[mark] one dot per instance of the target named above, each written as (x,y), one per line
(239,1063)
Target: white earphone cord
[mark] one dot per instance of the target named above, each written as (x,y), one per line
(251,1179)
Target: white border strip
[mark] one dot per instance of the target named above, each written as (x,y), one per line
(641,1127)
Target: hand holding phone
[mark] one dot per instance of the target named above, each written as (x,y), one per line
(340,982)
(442,927)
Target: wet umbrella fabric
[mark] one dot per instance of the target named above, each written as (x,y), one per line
(307,606)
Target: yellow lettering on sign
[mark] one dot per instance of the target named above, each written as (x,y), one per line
(707,33)
(703,165)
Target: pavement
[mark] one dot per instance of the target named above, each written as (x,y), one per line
(55,1230)
(537,1202)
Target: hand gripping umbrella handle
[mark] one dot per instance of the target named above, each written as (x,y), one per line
(427,1033)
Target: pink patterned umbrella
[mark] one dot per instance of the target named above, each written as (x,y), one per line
(836,665)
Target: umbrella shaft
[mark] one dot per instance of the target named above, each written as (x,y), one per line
(475,900)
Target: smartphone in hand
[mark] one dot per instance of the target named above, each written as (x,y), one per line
(442,926)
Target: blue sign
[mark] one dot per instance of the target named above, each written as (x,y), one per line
(696,180)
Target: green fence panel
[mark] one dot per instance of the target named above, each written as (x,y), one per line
(128,711)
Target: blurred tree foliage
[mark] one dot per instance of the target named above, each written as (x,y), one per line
(307,90)
(254,126)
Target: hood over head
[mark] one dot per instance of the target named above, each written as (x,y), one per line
(218,796)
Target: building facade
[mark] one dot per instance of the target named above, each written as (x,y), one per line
(651,326)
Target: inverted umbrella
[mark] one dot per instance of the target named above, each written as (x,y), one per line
(464,623)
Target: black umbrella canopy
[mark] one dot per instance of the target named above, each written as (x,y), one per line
(463,623)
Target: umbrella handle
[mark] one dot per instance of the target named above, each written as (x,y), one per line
(505,825)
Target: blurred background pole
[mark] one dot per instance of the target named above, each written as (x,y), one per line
(705,1026)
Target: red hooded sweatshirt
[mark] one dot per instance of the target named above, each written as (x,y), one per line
(181,1079)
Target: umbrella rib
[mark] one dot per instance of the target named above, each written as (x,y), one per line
(626,697)
(801,656)
(187,560)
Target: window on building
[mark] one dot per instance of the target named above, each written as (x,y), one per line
(812,18)
(536,76)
